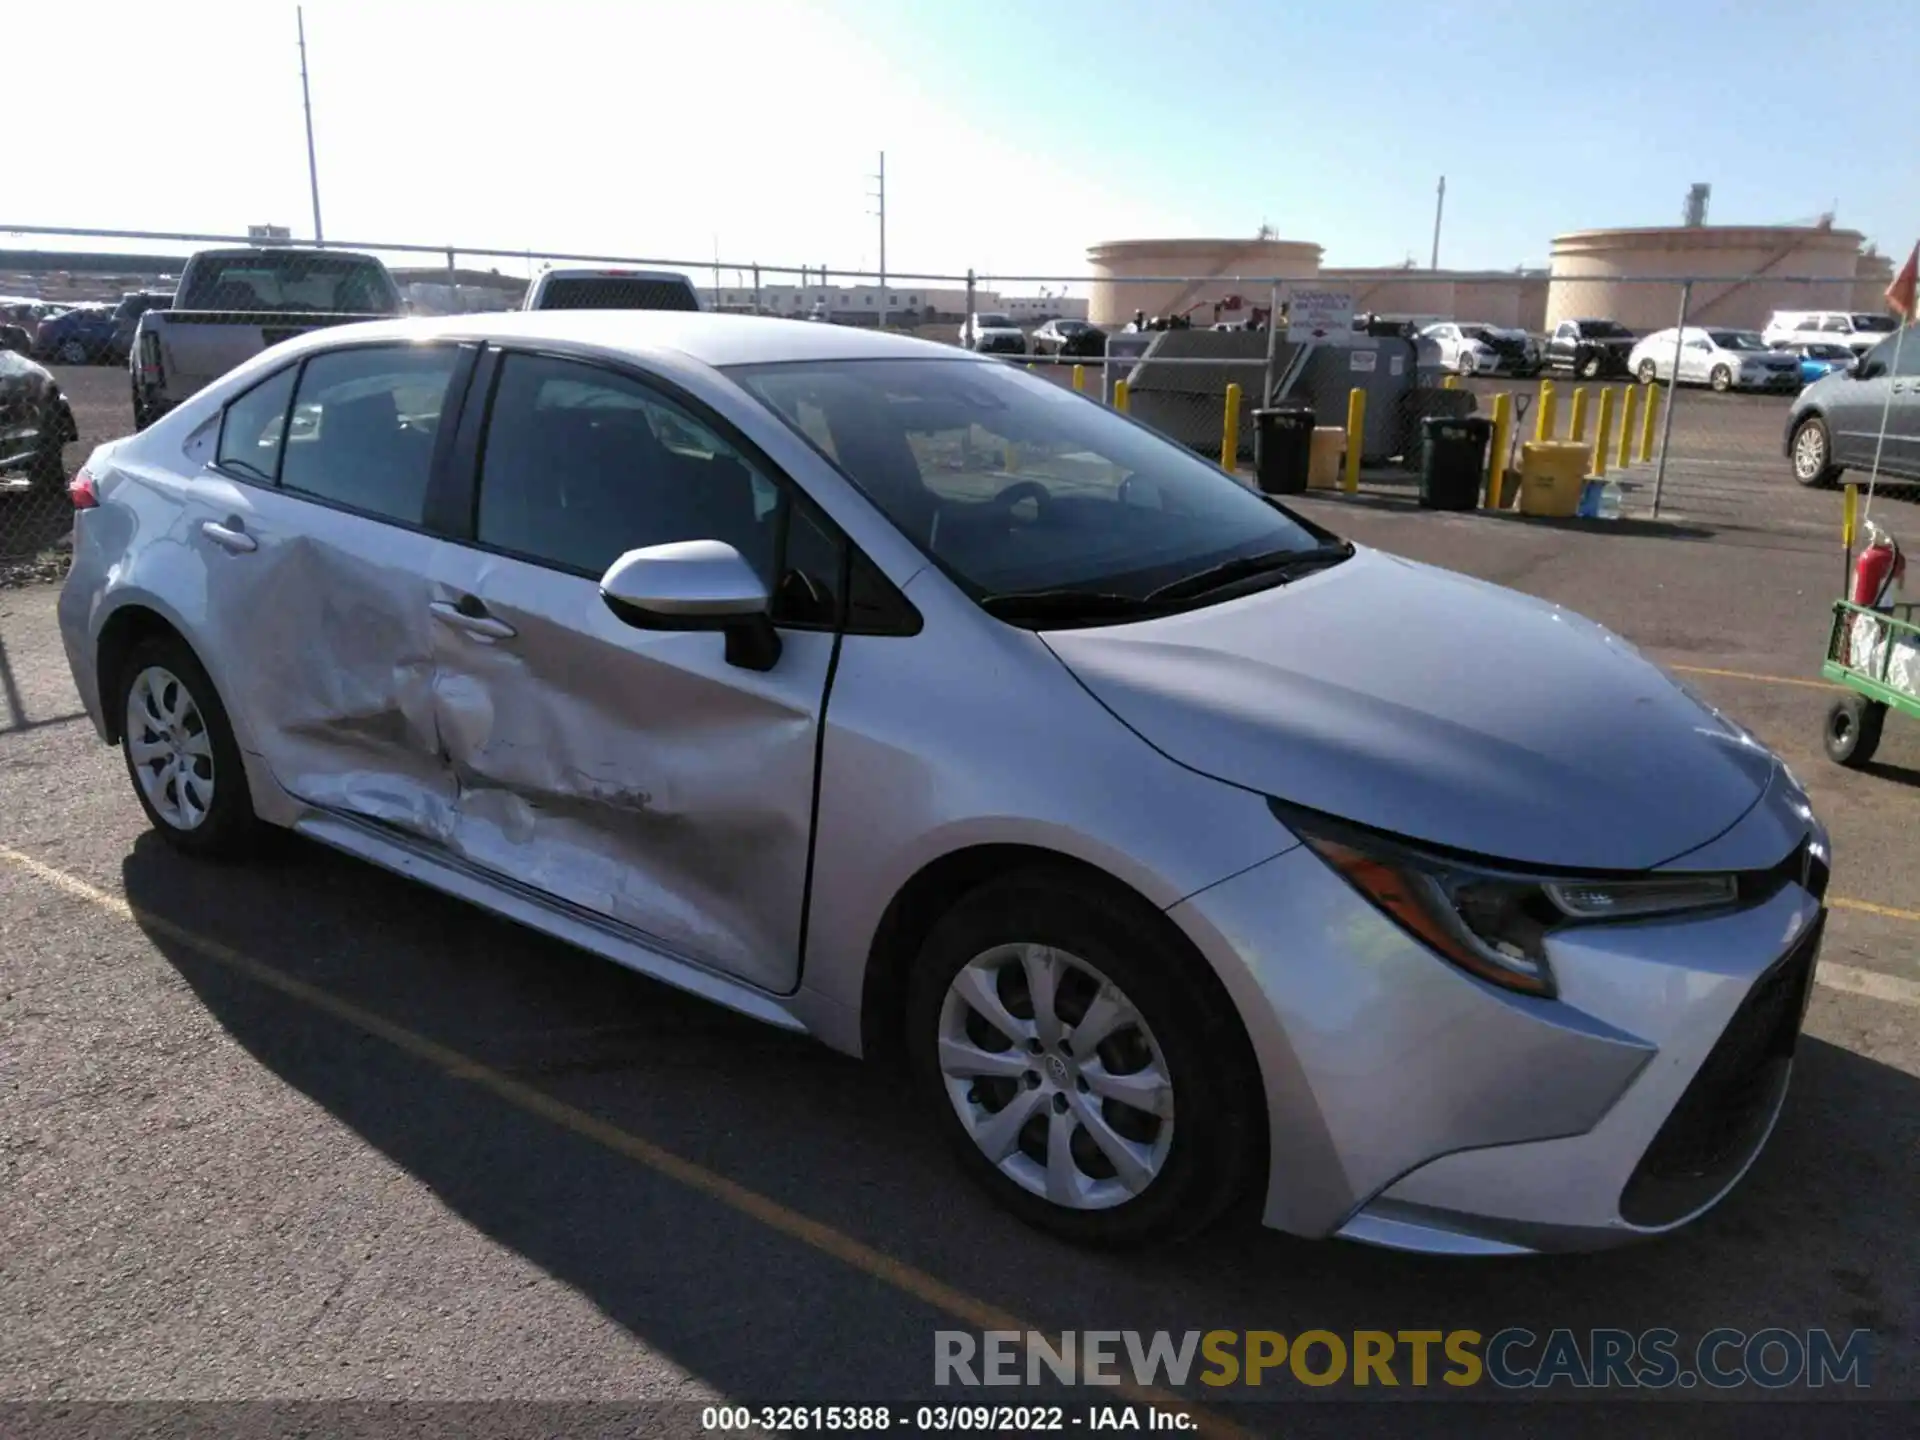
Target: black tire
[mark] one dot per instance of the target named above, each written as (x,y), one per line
(1721,379)
(1216,1141)
(1811,450)
(71,352)
(1649,373)
(1463,365)
(229,829)
(48,471)
(142,417)
(1853,730)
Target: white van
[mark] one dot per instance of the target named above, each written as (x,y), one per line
(1858,330)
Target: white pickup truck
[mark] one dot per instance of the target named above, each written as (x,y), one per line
(232,304)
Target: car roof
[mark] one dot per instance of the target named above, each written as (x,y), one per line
(712,338)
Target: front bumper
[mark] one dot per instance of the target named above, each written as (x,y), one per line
(1412,1106)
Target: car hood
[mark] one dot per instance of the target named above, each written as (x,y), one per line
(1435,706)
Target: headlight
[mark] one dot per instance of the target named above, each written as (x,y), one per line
(1493,923)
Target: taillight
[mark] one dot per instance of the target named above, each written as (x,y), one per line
(81,490)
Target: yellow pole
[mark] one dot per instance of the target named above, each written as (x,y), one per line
(1120,396)
(1646,424)
(1603,431)
(1452,382)
(1356,433)
(1629,397)
(1080,377)
(1546,422)
(1848,508)
(1577,420)
(1229,431)
(1502,439)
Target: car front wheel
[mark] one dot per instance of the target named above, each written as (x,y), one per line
(1721,379)
(1648,372)
(180,752)
(1589,367)
(1813,454)
(1085,1073)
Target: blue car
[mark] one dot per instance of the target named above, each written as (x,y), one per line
(82,336)
(1819,359)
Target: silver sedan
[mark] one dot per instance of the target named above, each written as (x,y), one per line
(1180,850)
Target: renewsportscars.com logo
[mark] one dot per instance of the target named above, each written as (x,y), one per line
(1512,1359)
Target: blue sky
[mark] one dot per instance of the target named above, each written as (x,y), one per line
(1016,133)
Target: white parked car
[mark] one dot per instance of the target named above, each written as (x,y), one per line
(1859,331)
(1475,349)
(992,332)
(1724,359)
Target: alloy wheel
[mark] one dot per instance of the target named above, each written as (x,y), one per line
(1809,452)
(169,748)
(1056,1076)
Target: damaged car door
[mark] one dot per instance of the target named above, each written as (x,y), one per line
(310,517)
(646,776)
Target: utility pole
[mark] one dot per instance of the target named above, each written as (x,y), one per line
(881,195)
(1439,205)
(306,100)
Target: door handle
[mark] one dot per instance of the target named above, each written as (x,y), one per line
(230,538)
(482,624)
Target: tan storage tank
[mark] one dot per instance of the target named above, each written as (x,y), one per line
(1130,275)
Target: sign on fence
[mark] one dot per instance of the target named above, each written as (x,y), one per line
(1319,315)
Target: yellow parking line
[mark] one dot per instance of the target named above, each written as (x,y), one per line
(937,1294)
(1841,902)
(1757,678)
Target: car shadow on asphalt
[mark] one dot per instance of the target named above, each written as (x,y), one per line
(1821,1234)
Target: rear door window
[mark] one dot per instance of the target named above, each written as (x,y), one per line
(363,427)
(250,430)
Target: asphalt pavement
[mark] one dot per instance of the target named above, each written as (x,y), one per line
(299,1130)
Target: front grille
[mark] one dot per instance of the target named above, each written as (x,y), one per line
(1724,1114)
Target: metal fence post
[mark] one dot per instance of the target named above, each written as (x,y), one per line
(453,283)
(1273,343)
(966,329)
(1356,435)
(757,307)
(1666,428)
(1230,430)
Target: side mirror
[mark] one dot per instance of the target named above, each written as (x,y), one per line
(696,585)
(1864,369)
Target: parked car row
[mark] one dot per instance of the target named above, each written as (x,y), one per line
(89,333)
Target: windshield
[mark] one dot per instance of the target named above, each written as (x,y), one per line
(1016,485)
(1829,352)
(1876,323)
(344,284)
(993,321)
(1737,339)
(1604,330)
(616,292)
(1071,327)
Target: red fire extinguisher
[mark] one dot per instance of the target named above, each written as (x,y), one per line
(1878,571)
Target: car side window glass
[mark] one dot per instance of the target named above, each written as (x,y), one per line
(583,464)
(251,425)
(363,426)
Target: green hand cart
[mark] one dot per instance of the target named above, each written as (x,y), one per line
(1879,663)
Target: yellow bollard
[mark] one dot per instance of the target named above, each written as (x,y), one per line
(1013,458)
(1120,396)
(1230,432)
(1646,424)
(1629,398)
(1502,440)
(1577,418)
(1080,378)
(1545,421)
(1603,431)
(1452,382)
(1356,433)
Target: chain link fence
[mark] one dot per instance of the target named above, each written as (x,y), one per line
(1589,360)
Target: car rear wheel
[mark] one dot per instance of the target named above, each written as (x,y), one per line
(1721,379)
(1853,730)
(180,752)
(1082,1071)
(1812,454)
(1588,366)
(48,470)
(1648,372)
(71,352)
(1464,364)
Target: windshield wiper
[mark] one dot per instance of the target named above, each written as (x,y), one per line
(1285,563)
(1065,605)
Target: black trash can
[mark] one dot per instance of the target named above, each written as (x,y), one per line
(1454,462)
(1283,448)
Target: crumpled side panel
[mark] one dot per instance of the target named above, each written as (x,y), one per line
(635,773)
(342,665)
